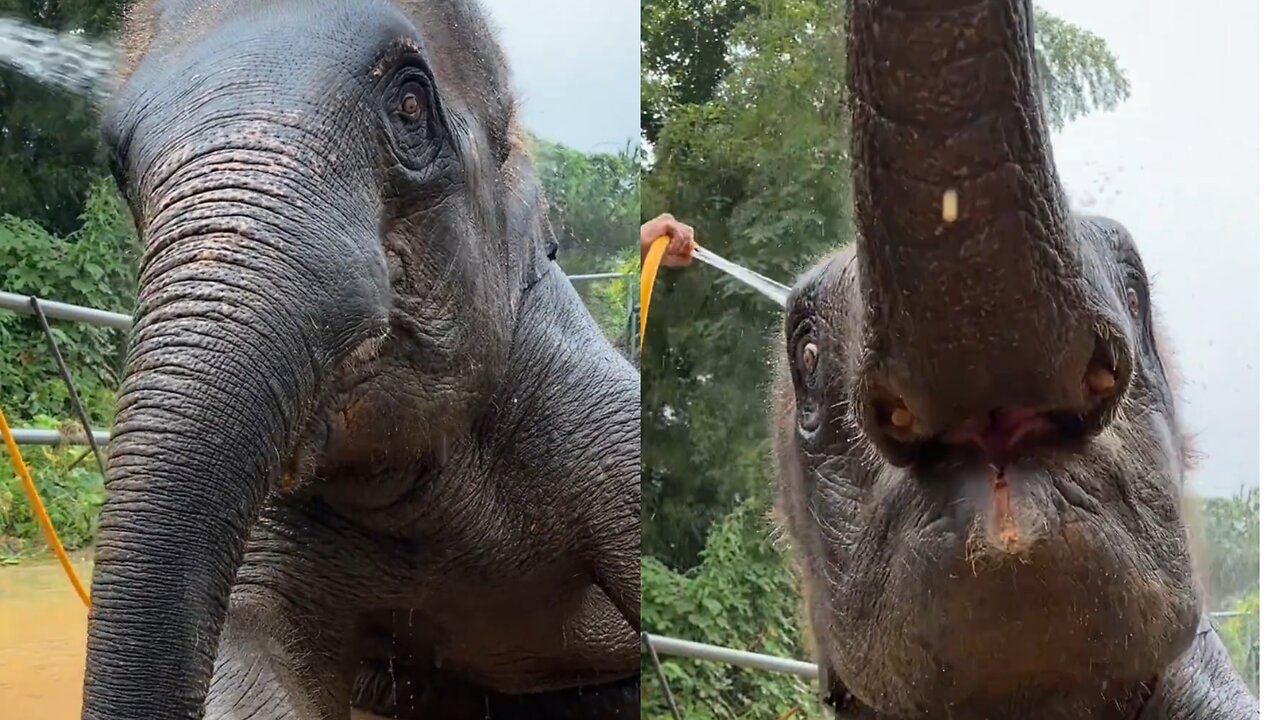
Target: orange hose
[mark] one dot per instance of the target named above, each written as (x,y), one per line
(37,507)
(649,273)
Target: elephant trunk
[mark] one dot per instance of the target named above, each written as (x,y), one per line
(244,303)
(969,263)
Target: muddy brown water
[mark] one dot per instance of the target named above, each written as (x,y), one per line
(42,640)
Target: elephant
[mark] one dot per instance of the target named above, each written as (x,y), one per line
(980,457)
(371,451)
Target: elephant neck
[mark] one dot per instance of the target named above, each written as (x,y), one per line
(1200,684)
(562,375)
(1125,701)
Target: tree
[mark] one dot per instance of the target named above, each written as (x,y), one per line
(758,162)
(594,203)
(684,51)
(51,152)
(1229,527)
(741,595)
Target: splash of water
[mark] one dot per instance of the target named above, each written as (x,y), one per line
(64,60)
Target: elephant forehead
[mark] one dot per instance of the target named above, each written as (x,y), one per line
(273,70)
(283,41)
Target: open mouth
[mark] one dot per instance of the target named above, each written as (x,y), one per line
(1000,438)
(1004,434)
(998,471)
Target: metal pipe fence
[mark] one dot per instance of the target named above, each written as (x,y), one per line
(41,436)
(587,277)
(54,310)
(675,647)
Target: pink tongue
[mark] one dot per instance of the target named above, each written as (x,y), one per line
(998,434)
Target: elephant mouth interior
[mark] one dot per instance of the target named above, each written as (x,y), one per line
(1000,439)
(1007,434)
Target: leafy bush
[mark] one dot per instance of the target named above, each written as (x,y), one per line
(94,267)
(742,596)
(608,300)
(594,203)
(70,486)
(1240,634)
(1231,558)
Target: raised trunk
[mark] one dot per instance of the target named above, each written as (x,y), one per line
(986,309)
(241,311)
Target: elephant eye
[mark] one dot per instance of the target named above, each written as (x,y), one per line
(410,106)
(805,353)
(1134,302)
(412,100)
(416,130)
(808,358)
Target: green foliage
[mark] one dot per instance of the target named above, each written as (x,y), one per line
(758,162)
(51,152)
(1078,73)
(594,203)
(742,595)
(1229,567)
(93,266)
(93,17)
(684,46)
(614,302)
(1231,560)
(1241,635)
(70,487)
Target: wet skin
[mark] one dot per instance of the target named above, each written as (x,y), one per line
(371,449)
(980,459)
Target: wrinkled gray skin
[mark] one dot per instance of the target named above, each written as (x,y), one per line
(371,449)
(1013,546)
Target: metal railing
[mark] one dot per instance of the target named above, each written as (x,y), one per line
(658,646)
(41,436)
(54,310)
(674,647)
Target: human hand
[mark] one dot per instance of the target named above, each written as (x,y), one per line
(679,251)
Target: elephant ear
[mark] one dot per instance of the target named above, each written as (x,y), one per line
(531,241)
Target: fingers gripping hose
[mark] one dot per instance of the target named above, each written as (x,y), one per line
(771,289)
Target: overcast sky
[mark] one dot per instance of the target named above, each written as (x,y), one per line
(577,68)
(1178,165)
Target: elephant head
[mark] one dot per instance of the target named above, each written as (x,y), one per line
(314,185)
(980,457)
